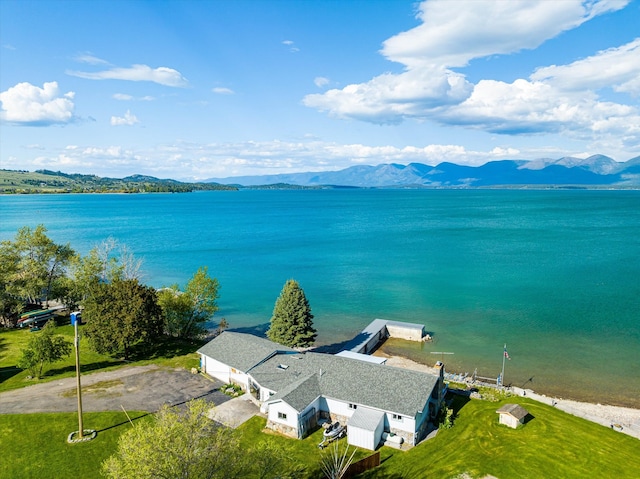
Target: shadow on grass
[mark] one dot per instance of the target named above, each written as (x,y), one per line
(84,368)
(529,417)
(458,401)
(8,372)
(124,423)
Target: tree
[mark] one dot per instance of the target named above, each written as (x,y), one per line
(291,323)
(187,444)
(186,312)
(42,348)
(121,315)
(40,265)
(9,302)
(107,262)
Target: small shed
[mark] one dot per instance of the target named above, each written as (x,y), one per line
(512,415)
(364,428)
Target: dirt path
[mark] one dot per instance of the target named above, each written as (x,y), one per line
(142,388)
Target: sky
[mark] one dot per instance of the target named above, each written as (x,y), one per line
(193,90)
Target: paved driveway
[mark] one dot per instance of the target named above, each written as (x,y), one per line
(141,388)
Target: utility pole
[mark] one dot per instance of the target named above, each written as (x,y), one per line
(75,319)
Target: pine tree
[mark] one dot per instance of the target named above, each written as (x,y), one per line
(291,323)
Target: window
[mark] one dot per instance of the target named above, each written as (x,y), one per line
(282,415)
(353,406)
(397,417)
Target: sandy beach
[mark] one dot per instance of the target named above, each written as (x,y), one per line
(622,419)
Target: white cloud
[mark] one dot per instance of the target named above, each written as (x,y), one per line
(555,99)
(128,119)
(127,97)
(321,81)
(90,59)
(618,68)
(222,91)
(193,160)
(451,34)
(122,97)
(27,104)
(161,75)
(291,45)
(390,98)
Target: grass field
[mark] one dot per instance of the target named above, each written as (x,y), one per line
(12,341)
(551,444)
(35,445)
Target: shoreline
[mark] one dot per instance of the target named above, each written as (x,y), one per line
(620,418)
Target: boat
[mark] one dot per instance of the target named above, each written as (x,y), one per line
(334,430)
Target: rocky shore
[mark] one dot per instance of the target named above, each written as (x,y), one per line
(623,419)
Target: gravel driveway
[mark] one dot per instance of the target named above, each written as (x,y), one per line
(140,388)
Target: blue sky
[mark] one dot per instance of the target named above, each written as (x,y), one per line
(201,89)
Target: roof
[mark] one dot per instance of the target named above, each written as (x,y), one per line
(514,410)
(362,357)
(241,351)
(378,386)
(367,419)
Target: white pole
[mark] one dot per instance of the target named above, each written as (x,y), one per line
(504,356)
(78,386)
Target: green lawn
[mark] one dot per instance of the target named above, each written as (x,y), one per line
(12,341)
(35,445)
(551,444)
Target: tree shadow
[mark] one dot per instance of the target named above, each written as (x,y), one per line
(84,368)
(260,330)
(8,372)
(343,345)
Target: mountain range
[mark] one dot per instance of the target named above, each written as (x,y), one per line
(596,170)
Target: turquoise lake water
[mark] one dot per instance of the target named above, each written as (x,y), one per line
(554,274)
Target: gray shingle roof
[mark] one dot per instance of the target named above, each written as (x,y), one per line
(392,389)
(241,351)
(514,410)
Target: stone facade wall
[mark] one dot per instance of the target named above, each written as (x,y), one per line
(283,429)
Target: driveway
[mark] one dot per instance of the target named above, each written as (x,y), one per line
(139,388)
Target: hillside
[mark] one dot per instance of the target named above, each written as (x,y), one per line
(45,181)
(595,171)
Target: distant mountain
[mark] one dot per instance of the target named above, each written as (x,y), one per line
(597,170)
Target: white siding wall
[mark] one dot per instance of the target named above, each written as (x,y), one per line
(283,408)
(407,424)
(215,368)
(363,438)
(339,408)
(223,372)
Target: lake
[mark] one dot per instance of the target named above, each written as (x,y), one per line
(553,274)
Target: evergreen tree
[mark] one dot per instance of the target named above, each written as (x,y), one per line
(291,323)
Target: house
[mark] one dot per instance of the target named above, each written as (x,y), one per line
(298,390)
(512,415)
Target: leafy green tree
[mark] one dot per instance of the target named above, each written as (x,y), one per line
(291,323)
(40,265)
(187,444)
(9,302)
(43,348)
(186,312)
(121,315)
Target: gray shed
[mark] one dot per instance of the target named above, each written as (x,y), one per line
(512,415)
